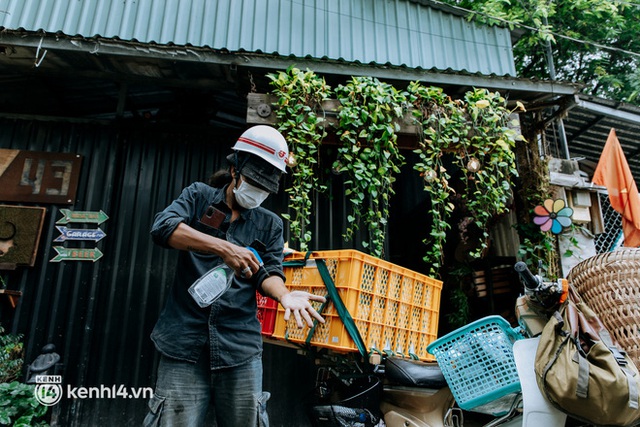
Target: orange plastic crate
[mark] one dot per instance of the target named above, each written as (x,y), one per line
(393,307)
(266,313)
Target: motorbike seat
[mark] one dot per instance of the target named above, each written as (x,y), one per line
(413,373)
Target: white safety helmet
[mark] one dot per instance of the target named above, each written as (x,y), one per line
(265,142)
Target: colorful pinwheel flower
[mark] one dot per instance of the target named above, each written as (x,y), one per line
(553,215)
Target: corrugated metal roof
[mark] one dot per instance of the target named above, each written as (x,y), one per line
(587,125)
(398,32)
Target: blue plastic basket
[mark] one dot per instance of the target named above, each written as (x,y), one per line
(477,361)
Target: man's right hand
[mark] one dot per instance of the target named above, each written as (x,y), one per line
(241,260)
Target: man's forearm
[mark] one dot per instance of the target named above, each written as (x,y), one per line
(187,238)
(236,257)
(273,286)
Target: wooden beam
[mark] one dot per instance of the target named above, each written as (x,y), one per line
(261,110)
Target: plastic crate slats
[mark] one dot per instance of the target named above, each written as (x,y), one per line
(394,308)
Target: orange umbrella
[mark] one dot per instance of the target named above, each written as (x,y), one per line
(613,172)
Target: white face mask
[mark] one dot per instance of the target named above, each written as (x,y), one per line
(249,196)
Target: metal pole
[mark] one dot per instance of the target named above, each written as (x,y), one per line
(552,75)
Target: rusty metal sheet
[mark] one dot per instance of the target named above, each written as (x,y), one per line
(38,176)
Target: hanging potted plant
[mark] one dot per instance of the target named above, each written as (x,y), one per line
(441,127)
(300,95)
(478,134)
(368,154)
(488,156)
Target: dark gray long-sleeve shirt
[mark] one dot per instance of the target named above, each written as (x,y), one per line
(230,324)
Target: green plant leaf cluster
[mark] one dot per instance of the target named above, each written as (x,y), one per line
(442,126)
(300,95)
(479,133)
(459,315)
(10,356)
(18,405)
(593,42)
(477,130)
(369,154)
(537,248)
(491,141)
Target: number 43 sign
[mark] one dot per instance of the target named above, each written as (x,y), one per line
(38,176)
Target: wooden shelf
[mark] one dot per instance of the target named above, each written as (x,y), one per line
(12,295)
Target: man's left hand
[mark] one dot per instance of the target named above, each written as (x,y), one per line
(298,303)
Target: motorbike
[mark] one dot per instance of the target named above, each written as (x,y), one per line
(484,368)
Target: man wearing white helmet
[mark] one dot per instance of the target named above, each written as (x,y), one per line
(213,353)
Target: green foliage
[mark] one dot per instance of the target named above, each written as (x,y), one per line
(603,61)
(538,249)
(478,133)
(459,314)
(443,125)
(18,405)
(369,154)
(572,240)
(634,82)
(300,95)
(491,141)
(10,356)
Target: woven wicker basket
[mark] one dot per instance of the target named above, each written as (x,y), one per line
(610,284)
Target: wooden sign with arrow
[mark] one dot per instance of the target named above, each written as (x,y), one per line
(76,254)
(79,234)
(94,234)
(82,216)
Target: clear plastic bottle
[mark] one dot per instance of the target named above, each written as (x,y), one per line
(211,285)
(215,282)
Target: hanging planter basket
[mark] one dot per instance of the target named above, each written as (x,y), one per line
(610,284)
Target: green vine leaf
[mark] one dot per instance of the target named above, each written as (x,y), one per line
(368,109)
(300,94)
(477,132)
(474,129)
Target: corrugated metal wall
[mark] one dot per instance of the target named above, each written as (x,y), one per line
(399,32)
(99,315)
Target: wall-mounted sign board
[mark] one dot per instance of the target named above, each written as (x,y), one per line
(94,234)
(92,217)
(20,229)
(76,254)
(79,234)
(38,176)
